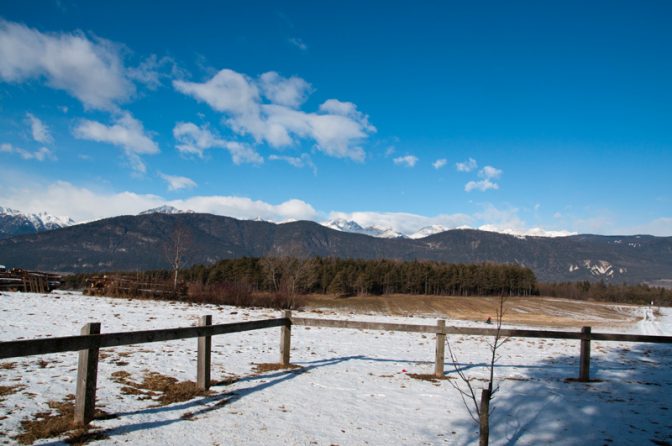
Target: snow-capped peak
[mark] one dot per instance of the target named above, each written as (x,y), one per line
(13,222)
(427,231)
(165,209)
(340,224)
(532,232)
(41,219)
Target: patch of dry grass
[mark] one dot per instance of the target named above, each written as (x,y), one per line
(160,388)
(537,311)
(57,422)
(428,377)
(272,367)
(9,390)
(8,365)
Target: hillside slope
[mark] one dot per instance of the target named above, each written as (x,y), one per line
(143,242)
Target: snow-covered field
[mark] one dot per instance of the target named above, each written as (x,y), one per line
(354,386)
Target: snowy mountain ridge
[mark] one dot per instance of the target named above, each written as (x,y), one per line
(165,209)
(343,225)
(340,224)
(13,222)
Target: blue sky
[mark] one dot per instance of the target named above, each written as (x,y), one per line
(521,116)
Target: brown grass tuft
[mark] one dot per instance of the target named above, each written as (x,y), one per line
(7,365)
(428,377)
(120,376)
(160,388)
(9,390)
(50,424)
(272,367)
(42,363)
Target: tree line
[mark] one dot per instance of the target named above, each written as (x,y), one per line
(349,277)
(240,279)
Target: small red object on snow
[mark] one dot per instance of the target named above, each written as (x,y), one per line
(403,371)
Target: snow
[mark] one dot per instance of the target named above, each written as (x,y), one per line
(165,209)
(427,231)
(354,387)
(522,233)
(40,221)
(340,224)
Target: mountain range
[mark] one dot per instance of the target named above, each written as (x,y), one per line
(142,242)
(13,222)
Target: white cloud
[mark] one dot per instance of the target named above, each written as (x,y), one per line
(300,44)
(91,71)
(177,182)
(466,166)
(246,208)
(227,91)
(39,130)
(661,227)
(127,133)
(195,140)
(83,204)
(42,154)
(490,172)
(291,92)
(507,221)
(438,164)
(482,185)
(337,128)
(504,217)
(153,70)
(407,161)
(297,161)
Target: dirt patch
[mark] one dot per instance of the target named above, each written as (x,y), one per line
(9,390)
(160,388)
(7,365)
(534,311)
(272,367)
(428,377)
(57,422)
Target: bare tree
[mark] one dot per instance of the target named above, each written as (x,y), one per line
(273,268)
(175,249)
(479,408)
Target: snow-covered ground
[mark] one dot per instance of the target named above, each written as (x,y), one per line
(354,386)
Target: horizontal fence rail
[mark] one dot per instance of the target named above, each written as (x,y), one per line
(476,331)
(91,341)
(14,349)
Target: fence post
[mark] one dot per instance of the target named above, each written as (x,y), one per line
(484,421)
(440,348)
(285,338)
(87,374)
(204,349)
(584,365)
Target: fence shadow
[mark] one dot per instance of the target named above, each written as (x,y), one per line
(200,406)
(630,401)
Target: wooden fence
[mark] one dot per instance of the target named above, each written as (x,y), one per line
(91,340)
(29,281)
